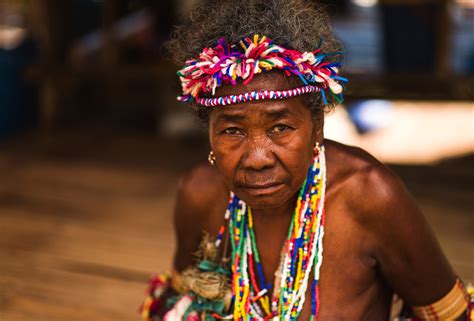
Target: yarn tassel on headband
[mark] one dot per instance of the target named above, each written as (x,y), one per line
(226,63)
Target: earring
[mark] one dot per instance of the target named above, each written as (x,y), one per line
(211,158)
(317,149)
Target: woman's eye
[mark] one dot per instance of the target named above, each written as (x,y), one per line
(278,129)
(232,131)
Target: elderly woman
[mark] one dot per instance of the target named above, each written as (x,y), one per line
(298,227)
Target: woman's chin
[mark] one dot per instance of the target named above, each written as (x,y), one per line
(264,199)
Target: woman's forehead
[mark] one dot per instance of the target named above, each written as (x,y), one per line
(263,110)
(294,107)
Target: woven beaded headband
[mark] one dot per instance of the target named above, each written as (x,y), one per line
(225,63)
(255,95)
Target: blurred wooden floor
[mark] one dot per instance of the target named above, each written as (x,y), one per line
(84,221)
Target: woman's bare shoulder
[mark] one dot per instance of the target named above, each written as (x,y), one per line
(201,187)
(200,205)
(368,185)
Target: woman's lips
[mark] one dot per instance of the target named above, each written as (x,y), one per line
(263,189)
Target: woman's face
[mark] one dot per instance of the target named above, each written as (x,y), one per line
(263,149)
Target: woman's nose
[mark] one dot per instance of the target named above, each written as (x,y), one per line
(258,154)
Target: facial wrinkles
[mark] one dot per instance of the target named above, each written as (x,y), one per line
(261,156)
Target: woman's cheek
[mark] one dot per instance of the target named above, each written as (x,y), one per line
(227,163)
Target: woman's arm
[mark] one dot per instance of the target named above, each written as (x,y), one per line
(408,254)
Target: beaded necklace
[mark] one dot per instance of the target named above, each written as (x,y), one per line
(301,254)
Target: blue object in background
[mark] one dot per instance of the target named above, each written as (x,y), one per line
(370,115)
(18,103)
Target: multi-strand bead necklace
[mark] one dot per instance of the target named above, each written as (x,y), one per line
(301,255)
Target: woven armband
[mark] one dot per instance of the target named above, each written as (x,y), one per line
(450,307)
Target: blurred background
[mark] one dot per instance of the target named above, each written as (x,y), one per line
(92,140)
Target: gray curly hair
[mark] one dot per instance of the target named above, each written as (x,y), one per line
(295,24)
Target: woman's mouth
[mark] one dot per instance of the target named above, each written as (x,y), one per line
(262,189)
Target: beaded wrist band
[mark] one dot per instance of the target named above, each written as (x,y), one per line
(450,307)
(255,95)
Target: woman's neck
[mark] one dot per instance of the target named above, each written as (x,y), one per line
(283,212)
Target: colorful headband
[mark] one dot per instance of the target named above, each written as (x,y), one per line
(225,63)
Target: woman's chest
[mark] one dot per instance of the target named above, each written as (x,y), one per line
(348,283)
